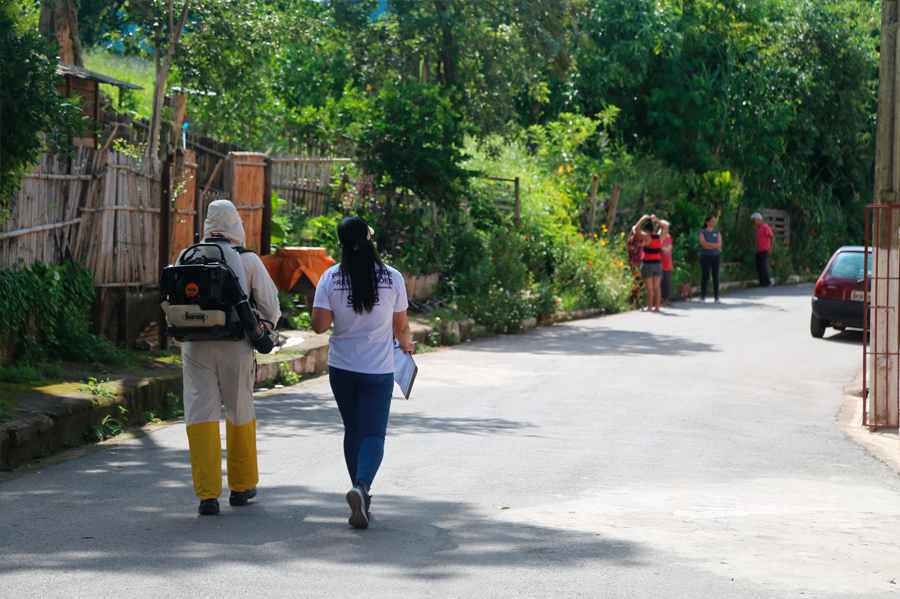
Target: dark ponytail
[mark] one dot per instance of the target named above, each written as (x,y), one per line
(360,263)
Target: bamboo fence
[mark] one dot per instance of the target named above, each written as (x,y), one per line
(44,215)
(304,182)
(119,233)
(102,209)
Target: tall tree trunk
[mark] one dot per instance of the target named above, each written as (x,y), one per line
(446,58)
(163,65)
(62,20)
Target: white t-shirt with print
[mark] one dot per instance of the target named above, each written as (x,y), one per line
(361,342)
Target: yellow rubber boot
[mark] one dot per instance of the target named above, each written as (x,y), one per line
(243,473)
(206,458)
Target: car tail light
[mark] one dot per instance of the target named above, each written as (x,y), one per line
(821,288)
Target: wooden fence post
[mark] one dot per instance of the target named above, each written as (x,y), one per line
(265,243)
(518,206)
(592,210)
(612,207)
(165,218)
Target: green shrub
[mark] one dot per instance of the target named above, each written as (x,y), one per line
(286,376)
(27,373)
(45,312)
(493,292)
(172,409)
(86,347)
(545,303)
(21,373)
(109,427)
(301,322)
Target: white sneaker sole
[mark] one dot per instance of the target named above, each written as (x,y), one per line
(358,518)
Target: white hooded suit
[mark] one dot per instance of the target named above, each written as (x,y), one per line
(223,372)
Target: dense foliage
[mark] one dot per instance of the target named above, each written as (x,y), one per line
(47,314)
(32,113)
(681,108)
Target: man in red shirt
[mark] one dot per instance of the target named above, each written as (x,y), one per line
(765,241)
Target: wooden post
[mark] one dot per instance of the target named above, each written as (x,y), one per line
(612,207)
(178,112)
(592,208)
(883,367)
(165,221)
(265,243)
(518,206)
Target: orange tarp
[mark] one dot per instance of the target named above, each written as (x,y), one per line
(287,265)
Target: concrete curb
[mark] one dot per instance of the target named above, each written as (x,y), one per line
(313,361)
(882,444)
(50,423)
(738,285)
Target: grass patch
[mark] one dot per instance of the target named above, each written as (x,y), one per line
(29,373)
(133,69)
(97,388)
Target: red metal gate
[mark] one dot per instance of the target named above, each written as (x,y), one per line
(881,355)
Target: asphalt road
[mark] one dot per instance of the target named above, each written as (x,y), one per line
(692,454)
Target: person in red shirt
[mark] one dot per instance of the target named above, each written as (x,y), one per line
(765,241)
(665,283)
(651,265)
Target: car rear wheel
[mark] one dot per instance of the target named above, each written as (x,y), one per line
(816,327)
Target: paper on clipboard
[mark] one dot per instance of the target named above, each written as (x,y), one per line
(405,370)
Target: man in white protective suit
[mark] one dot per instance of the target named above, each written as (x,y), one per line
(223,372)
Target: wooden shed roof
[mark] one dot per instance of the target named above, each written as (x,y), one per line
(64,69)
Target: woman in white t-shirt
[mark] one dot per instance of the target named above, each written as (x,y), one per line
(366,301)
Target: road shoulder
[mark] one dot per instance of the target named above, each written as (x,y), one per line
(882,444)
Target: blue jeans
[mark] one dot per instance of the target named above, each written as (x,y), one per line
(365,404)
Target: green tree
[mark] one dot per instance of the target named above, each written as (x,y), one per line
(414,140)
(33,115)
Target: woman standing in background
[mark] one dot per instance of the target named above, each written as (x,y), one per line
(651,266)
(710,256)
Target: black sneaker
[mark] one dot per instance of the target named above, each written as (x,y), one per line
(209,507)
(357,499)
(242,497)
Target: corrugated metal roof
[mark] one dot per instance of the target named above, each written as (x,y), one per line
(65,69)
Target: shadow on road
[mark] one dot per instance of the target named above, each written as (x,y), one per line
(592,341)
(143,519)
(850,337)
(297,414)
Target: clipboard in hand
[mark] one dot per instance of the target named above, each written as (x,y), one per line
(405,370)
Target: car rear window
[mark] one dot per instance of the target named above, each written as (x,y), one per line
(849,265)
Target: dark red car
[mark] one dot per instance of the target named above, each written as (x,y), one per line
(838,299)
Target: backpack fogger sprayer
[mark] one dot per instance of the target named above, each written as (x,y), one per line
(204,297)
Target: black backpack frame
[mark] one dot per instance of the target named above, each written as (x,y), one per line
(211,285)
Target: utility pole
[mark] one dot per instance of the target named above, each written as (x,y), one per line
(884,327)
